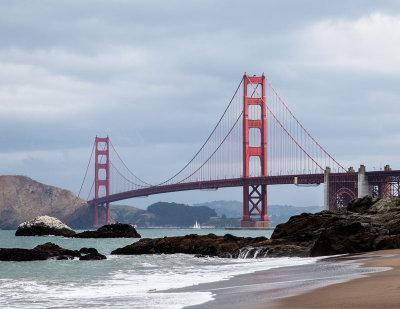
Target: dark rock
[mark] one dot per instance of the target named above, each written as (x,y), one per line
(16,254)
(209,245)
(41,252)
(44,225)
(92,256)
(362,205)
(117,230)
(52,250)
(47,251)
(85,250)
(366,224)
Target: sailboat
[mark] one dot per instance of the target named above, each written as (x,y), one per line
(196,225)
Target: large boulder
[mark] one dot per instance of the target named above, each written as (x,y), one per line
(48,251)
(366,224)
(44,225)
(116,230)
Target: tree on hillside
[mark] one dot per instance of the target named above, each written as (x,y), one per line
(179,214)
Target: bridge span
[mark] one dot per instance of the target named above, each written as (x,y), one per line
(256,143)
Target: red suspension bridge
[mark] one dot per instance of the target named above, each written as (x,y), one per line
(257,142)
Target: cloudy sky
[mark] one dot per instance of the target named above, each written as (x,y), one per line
(156,75)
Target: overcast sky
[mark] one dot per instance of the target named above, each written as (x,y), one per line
(156,76)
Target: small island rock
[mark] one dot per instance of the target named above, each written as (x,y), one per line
(48,251)
(116,230)
(44,225)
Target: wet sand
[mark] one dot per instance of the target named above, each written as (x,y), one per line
(376,290)
(370,280)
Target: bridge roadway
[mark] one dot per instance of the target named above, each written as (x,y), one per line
(214,184)
(373,177)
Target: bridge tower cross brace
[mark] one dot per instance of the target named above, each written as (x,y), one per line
(254,197)
(102,180)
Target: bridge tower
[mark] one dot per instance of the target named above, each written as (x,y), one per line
(102,180)
(255,196)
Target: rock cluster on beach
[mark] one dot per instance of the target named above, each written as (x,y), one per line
(116,230)
(44,225)
(366,224)
(48,251)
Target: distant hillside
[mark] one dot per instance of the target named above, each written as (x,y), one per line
(277,213)
(162,214)
(130,214)
(281,213)
(22,199)
(231,209)
(218,214)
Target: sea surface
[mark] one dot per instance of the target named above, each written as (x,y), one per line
(120,281)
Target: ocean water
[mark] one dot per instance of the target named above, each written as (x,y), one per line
(120,281)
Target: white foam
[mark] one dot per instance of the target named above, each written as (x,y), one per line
(212,270)
(136,282)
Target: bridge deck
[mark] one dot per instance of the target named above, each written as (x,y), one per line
(240,182)
(214,184)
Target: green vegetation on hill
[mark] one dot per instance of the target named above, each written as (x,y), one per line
(162,214)
(218,214)
(179,214)
(131,215)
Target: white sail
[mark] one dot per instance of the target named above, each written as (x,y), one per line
(196,225)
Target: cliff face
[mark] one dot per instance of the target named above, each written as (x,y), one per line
(23,199)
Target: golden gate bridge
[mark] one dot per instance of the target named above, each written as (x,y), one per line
(257,142)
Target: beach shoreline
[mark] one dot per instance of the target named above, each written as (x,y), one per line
(333,282)
(379,289)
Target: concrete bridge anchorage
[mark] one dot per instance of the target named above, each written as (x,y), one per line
(340,189)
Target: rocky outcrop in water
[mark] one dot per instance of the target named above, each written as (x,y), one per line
(212,245)
(48,251)
(116,230)
(366,224)
(227,246)
(44,225)
(22,199)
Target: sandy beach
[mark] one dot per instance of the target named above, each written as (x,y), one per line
(375,290)
(369,280)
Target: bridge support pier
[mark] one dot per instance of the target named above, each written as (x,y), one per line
(255,203)
(326,188)
(362,184)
